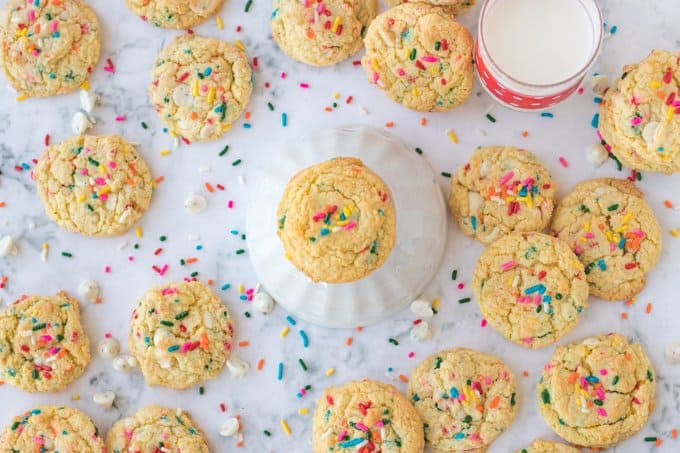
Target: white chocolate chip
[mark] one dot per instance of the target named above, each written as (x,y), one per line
(421,331)
(88,100)
(263,303)
(673,352)
(109,348)
(598,84)
(596,154)
(195,203)
(230,427)
(8,246)
(181,95)
(125,363)
(104,399)
(80,123)
(237,367)
(422,308)
(649,131)
(89,290)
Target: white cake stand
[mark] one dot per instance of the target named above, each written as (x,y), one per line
(421,230)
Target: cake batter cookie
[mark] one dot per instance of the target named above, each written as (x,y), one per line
(94,185)
(531,288)
(181,335)
(199,86)
(640,114)
(337,221)
(465,398)
(52,429)
(174,13)
(454,7)
(366,414)
(42,345)
(598,392)
(46,47)
(544,446)
(613,231)
(499,190)
(323,32)
(420,56)
(156,428)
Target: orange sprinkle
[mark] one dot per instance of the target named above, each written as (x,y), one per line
(648,308)
(630,301)
(210,281)
(494,402)
(159,180)
(205,342)
(525,134)
(389,124)
(193,115)
(348,341)
(209,187)
(260,364)
(658,441)
(2,204)
(247,115)
(310,33)
(628,355)
(191,260)
(480,408)
(375,435)
(572,377)
(403,378)
(328,109)
(359,328)
(668,204)
(243,344)
(423,121)
(624,315)
(525,373)
(240,444)
(674,433)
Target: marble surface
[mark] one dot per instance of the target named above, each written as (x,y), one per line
(259,398)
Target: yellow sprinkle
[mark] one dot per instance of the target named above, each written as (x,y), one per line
(669,113)
(330,371)
(374,64)
(241,288)
(435,303)
(452,135)
(165,152)
(284,332)
(194,89)
(627,217)
(415,92)
(211,95)
(288,256)
(336,24)
(336,95)
(81,198)
(303,411)
(226,127)
(45,246)
(138,231)
(655,84)
(586,227)
(75,397)
(220,24)
(240,45)
(529,201)
(85,85)
(286,428)
(21,97)
(674,233)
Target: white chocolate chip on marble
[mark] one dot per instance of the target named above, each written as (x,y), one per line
(89,291)
(109,348)
(230,427)
(421,331)
(8,246)
(596,154)
(422,308)
(104,399)
(80,123)
(195,203)
(125,363)
(598,84)
(88,100)
(237,367)
(673,352)
(263,303)
(649,131)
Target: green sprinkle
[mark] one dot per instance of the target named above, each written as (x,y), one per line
(40,326)
(249,3)
(267,433)
(302,364)
(240,252)
(201,390)
(93,161)
(545,396)
(15,425)
(236,162)
(193,274)
(650,376)
(419,150)
(182,315)
(464,300)
(490,118)
(224,151)
(512,399)
(412,54)
(67,254)
(144,126)
(612,207)
(615,380)
(437,363)
(167,323)
(162,238)
(35,374)
(247,314)
(393,341)
(650,439)
(446,174)
(454,274)
(437,45)
(271,106)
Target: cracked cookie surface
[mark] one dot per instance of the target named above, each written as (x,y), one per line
(181,334)
(465,398)
(613,231)
(200,86)
(321,32)
(42,344)
(366,414)
(48,48)
(52,429)
(420,56)
(156,428)
(501,189)
(531,288)
(93,185)
(337,221)
(174,13)
(545,446)
(454,7)
(598,392)
(640,114)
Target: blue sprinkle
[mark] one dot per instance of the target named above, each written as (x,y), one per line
(595,121)
(199,247)
(546,299)
(601,264)
(540,289)
(207,71)
(613,29)
(389,370)
(305,339)
(291,320)
(55,34)
(279,375)
(622,242)
(597,100)
(246,126)
(220,108)
(243,297)
(324,232)
(25,166)
(459,436)
(473,221)
(234,232)
(225,287)
(173,348)
(453,392)
(284,120)
(547,115)
(592,379)
(351,443)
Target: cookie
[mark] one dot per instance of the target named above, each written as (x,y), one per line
(544,446)
(199,86)
(420,56)
(337,221)
(366,416)
(181,335)
(455,7)
(598,392)
(640,114)
(613,231)
(174,13)
(43,347)
(51,429)
(48,48)
(321,33)
(156,428)
(499,190)
(531,288)
(465,398)
(93,185)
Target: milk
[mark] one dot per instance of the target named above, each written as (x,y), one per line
(539,42)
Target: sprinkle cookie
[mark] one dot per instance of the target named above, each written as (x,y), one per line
(94,185)
(613,231)
(337,221)
(52,429)
(465,398)
(174,13)
(544,446)
(181,334)
(200,86)
(48,48)
(42,345)
(640,114)
(369,415)
(499,190)
(598,392)
(156,428)
(454,7)
(531,288)
(420,56)
(321,32)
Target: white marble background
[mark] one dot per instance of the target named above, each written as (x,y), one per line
(259,398)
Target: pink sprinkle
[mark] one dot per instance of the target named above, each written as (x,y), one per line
(107,335)
(100,181)
(168,291)
(588,235)
(107,269)
(350,225)
(185,347)
(580,90)
(401,72)
(564,162)
(53,25)
(411,354)
(528,340)
(578,250)
(131,258)
(461,285)
(376,77)
(127,434)
(230,204)
(31,15)
(601,412)
(39,440)
(483,323)
(342,434)
(112,164)
(508,265)
(361,427)
(304,85)
(430,59)
(379,424)
(121,118)
(603,372)
(284,75)
(506,177)
(635,121)
(46,338)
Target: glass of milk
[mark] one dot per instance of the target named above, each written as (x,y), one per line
(532,54)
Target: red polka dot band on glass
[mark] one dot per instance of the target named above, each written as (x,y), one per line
(531,55)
